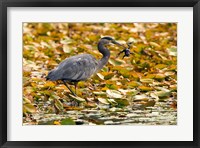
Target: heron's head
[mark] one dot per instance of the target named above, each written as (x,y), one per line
(108,40)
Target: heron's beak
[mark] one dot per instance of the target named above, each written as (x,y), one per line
(114,42)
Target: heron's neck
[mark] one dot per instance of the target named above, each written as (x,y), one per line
(106,55)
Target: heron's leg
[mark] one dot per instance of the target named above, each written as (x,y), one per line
(69,88)
(75,85)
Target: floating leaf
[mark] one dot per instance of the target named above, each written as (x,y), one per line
(67,48)
(160,66)
(67,121)
(78,99)
(125,73)
(150,103)
(49,84)
(109,76)
(173,87)
(53,96)
(174,104)
(172,51)
(136,76)
(142,97)
(100,76)
(153,95)
(163,93)
(115,62)
(67,40)
(173,67)
(99,93)
(112,101)
(46,122)
(111,85)
(58,104)
(104,101)
(154,44)
(56,123)
(122,102)
(133,84)
(90,104)
(29,108)
(160,76)
(128,91)
(169,73)
(145,88)
(26,101)
(113,94)
(150,76)
(146,80)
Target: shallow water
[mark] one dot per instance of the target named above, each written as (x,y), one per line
(157,115)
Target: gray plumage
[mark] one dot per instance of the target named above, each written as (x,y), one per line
(81,67)
(74,69)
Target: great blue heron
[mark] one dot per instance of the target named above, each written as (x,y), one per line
(81,67)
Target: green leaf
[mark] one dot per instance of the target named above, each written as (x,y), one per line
(112,101)
(115,62)
(109,76)
(67,121)
(46,122)
(125,73)
(58,104)
(122,102)
(163,93)
(76,98)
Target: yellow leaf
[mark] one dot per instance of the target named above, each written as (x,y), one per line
(160,76)
(145,88)
(154,44)
(133,84)
(56,123)
(146,80)
(29,108)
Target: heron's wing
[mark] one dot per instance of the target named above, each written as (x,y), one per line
(76,68)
